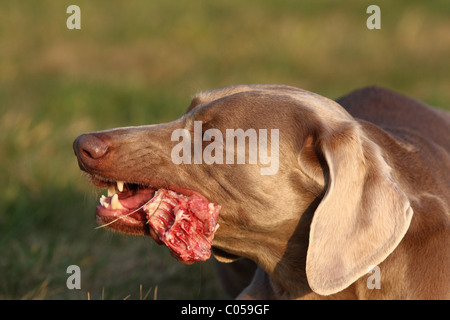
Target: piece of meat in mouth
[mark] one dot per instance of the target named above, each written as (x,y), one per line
(184,223)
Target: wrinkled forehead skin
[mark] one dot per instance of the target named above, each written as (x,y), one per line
(325,107)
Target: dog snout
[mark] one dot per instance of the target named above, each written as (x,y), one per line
(90,149)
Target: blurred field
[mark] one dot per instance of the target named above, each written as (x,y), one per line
(140,62)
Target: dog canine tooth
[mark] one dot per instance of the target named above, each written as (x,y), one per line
(111,191)
(115,203)
(120,186)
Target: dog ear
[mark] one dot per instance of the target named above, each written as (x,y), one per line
(363,214)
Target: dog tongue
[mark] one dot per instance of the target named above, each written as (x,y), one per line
(185,224)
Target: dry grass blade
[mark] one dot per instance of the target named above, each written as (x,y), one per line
(146,295)
(155,294)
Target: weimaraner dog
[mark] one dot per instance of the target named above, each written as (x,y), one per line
(302,197)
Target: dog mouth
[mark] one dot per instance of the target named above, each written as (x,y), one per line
(182,219)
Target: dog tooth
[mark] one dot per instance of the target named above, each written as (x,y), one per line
(103,202)
(111,191)
(115,203)
(120,186)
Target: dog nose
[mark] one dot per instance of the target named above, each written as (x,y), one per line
(89,148)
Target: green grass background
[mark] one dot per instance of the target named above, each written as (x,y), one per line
(139,62)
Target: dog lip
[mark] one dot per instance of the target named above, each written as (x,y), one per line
(136,227)
(105,182)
